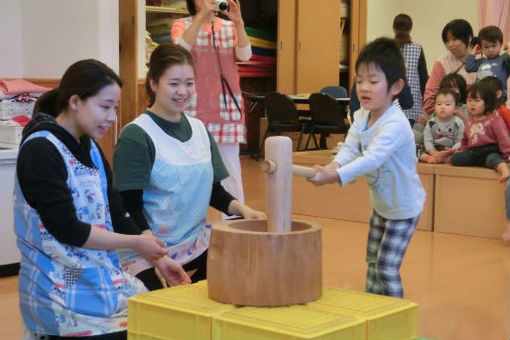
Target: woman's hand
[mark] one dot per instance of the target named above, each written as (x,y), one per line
(237,208)
(234,12)
(207,8)
(149,247)
(170,272)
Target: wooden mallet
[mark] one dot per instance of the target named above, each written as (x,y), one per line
(279,171)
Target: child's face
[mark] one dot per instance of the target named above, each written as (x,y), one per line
(372,89)
(175,88)
(96,114)
(490,49)
(445,106)
(475,105)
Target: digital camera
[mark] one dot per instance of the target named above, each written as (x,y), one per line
(221,5)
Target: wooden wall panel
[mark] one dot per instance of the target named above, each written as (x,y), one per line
(318,45)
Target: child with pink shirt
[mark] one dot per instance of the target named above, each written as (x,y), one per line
(485,141)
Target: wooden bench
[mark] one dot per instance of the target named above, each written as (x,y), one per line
(469,201)
(460,200)
(352,202)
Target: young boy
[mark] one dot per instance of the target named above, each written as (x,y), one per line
(443,132)
(380,145)
(489,62)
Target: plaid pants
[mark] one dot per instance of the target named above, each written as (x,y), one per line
(386,246)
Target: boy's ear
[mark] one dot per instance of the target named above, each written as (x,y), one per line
(499,93)
(397,87)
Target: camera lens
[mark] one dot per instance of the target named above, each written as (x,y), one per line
(223,6)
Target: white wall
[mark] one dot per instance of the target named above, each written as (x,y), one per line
(429,18)
(53,34)
(11,48)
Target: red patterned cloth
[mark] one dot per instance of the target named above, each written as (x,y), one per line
(225,123)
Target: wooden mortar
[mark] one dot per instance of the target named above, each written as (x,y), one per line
(273,262)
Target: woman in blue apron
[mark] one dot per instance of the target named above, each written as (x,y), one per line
(168,169)
(69,220)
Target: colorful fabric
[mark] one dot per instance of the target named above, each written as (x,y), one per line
(263,51)
(386,246)
(217,110)
(19,86)
(262,43)
(181,177)
(504,112)
(258,33)
(65,290)
(491,130)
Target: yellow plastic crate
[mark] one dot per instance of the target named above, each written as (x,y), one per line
(285,323)
(387,318)
(177,313)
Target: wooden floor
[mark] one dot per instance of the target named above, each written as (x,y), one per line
(462,284)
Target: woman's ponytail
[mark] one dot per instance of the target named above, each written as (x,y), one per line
(47,104)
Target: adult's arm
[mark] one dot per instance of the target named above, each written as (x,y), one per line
(188,37)
(122,223)
(432,86)
(422,72)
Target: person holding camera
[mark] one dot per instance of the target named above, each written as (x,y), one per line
(215,45)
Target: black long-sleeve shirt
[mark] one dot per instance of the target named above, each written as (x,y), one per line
(42,176)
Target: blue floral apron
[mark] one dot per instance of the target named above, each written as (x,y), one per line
(66,290)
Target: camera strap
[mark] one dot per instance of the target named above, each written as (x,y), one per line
(224,82)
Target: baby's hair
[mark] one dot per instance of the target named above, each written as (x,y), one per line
(491,34)
(163,57)
(460,29)
(454,80)
(486,93)
(448,91)
(496,84)
(402,24)
(84,78)
(384,54)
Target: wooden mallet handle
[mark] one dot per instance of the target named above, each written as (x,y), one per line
(270,166)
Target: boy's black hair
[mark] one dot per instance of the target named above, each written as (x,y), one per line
(460,29)
(448,91)
(452,80)
(384,54)
(191,7)
(491,34)
(496,85)
(485,92)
